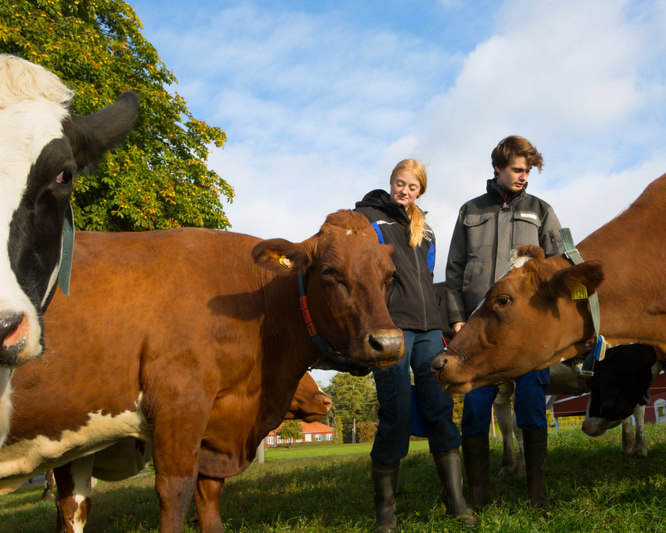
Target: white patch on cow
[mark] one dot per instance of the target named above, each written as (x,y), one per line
(5,403)
(349,232)
(33,105)
(21,460)
(81,472)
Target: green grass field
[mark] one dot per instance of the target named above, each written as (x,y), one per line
(591,487)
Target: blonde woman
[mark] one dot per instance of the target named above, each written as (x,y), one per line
(413,307)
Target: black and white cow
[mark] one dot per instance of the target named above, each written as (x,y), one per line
(619,384)
(42,147)
(616,392)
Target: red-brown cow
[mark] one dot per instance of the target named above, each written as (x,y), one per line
(129,456)
(193,340)
(529,321)
(310,403)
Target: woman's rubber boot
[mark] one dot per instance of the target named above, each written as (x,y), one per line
(384,483)
(476,454)
(450,474)
(536,446)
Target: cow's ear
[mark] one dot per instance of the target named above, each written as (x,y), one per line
(282,256)
(565,281)
(530,250)
(388,248)
(91,136)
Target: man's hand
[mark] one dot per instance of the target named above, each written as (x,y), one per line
(456,326)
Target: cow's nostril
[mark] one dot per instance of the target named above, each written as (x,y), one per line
(375,343)
(8,323)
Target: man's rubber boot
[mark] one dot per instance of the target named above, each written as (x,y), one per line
(536,446)
(476,454)
(450,474)
(384,483)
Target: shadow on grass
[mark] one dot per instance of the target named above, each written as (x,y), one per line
(590,485)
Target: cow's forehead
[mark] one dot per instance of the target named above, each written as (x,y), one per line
(26,127)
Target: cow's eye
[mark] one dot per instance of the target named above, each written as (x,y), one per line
(503,301)
(388,280)
(65,177)
(328,272)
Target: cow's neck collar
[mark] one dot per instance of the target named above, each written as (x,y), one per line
(320,341)
(599,350)
(67,251)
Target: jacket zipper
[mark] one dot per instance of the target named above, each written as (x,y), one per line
(418,271)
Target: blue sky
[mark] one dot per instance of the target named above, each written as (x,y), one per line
(321,99)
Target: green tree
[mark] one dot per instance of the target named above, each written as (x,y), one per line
(290,432)
(354,399)
(158,177)
(366,431)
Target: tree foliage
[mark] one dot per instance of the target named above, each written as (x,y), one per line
(354,398)
(158,177)
(290,431)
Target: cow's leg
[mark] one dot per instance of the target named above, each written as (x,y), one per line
(503,414)
(73,499)
(640,444)
(177,434)
(521,447)
(207,500)
(627,435)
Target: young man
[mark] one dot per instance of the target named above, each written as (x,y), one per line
(488,229)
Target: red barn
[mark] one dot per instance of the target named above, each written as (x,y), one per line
(312,432)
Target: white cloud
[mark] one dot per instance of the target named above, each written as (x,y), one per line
(318,109)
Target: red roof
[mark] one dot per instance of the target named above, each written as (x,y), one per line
(312,427)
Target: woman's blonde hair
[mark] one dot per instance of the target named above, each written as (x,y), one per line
(417,220)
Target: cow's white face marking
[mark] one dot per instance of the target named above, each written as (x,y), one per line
(516,262)
(26,127)
(349,232)
(25,458)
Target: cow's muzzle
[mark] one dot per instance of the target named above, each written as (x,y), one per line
(441,370)
(11,339)
(384,347)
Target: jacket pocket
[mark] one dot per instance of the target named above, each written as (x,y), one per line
(480,231)
(526,226)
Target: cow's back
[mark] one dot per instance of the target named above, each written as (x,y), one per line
(146,318)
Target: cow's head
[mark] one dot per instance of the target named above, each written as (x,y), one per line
(42,147)
(347,274)
(620,383)
(525,321)
(310,403)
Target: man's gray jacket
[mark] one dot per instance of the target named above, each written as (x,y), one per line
(488,228)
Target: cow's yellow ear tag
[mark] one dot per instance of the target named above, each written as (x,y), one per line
(285,261)
(579,292)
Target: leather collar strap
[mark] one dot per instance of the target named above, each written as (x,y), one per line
(67,253)
(320,341)
(599,350)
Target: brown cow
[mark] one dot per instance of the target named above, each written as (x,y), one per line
(193,340)
(129,456)
(309,403)
(528,320)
